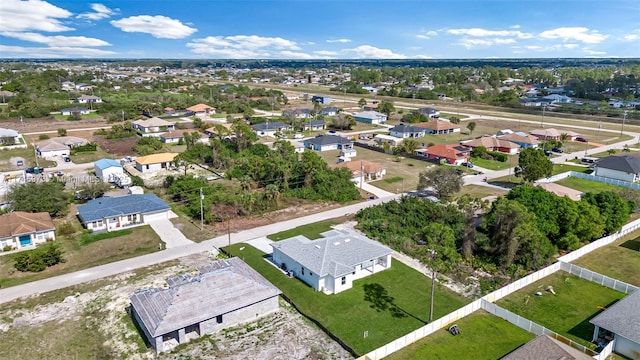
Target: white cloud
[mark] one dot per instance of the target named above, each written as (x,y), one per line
(372,52)
(77,41)
(593,52)
(577,33)
(286,54)
(244,46)
(158,26)
(471,43)
(325,53)
(35,15)
(52,52)
(478,32)
(100,12)
(631,37)
(339,41)
(422,57)
(515,26)
(504,41)
(427,34)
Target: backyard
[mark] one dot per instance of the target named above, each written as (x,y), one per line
(481,191)
(481,334)
(626,253)
(377,310)
(26,154)
(585,185)
(566,312)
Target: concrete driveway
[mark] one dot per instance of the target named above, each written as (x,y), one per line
(169,234)
(262,243)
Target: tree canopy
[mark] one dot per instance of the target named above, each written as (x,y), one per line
(445,180)
(39,197)
(534,164)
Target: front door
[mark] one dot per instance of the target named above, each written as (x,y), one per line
(25,240)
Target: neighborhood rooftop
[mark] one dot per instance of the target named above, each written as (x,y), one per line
(107,163)
(327,140)
(628,163)
(622,318)
(545,347)
(20,222)
(156,158)
(104,207)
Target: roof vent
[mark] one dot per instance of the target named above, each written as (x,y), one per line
(317,246)
(336,243)
(347,240)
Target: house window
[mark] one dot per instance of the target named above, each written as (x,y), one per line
(302,271)
(344,280)
(219,319)
(147,167)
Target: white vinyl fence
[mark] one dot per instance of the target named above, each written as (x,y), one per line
(520,283)
(597,278)
(591,177)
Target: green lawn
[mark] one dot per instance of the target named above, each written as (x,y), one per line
(568,311)
(625,267)
(481,334)
(480,191)
(28,156)
(90,156)
(585,185)
(400,302)
(494,164)
(311,231)
(561,168)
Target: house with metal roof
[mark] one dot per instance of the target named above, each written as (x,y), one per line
(270,128)
(406,131)
(620,323)
(625,167)
(328,142)
(370,117)
(108,170)
(330,111)
(21,229)
(546,347)
(332,263)
(225,293)
(114,213)
(153,126)
(154,162)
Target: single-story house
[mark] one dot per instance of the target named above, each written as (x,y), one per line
(321,99)
(297,114)
(313,125)
(332,263)
(363,168)
(154,162)
(86,99)
(108,170)
(430,112)
(10,137)
(525,141)
(270,128)
(406,131)
(298,147)
(328,142)
(556,98)
(58,146)
(620,322)
(625,167)
(330,111)
(370,117)
(546,347)
(560,190)
(114,213)
(225,293)
(173,137)
(21,229)
(438,127)
(153,126)
(388,139)
(74,110)
(452,154)
(551,133)
(202,109)
(493,144)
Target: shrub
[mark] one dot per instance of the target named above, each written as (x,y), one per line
(498,156)
(7,248)
(39,259)
(66,229)
(137,181)
(43,137)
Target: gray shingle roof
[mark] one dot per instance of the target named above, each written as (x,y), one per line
(402,128)
(327,140)
(626,163)
(221,287)
(336,254)
(545,347)
(104,207)
(270,126)
(316,122)
(622,318)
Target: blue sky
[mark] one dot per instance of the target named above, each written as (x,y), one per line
(329,29)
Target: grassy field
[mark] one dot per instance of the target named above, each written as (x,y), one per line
(480,191)
(398,303)
(585,185)
(90,156)
(560,168)
(28,156)
(311,231)
(141,240)
(494,164)
(91,115)
(625,267)
(191,229)
(481,334)
(568,311)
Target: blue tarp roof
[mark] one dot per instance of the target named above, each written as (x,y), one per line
(105,207)
(106,163)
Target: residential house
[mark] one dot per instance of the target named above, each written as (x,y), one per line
(321,99)
(224,294)
(546,347)
(202,109)
(173,137)
(620,322)
(556,98)
(297,114)
(330,111)
(438,127)
(58,146)
(553,134)
(298,147)
(328,142)
(387,139)
(153,126)
(332,263)
(372,107)
(270,128)
(86,99)
(451,154)
(525,141)
(364,169)
(108,170)
(21,229)
(313,125)
(74,110)
(370,117)
(115,213)
(625,167)
(492,143)
(406,131)
(430,112)
(370,89)
(10,137)
(154,162)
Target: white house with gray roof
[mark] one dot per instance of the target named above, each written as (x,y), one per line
(621,323)
(332,263)
(625,167)
(226,293)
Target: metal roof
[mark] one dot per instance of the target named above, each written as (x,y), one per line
(622,318)
(104,207)
(106,163)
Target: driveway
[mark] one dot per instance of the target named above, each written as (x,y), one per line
(168,233)
(375,190)
(262,243)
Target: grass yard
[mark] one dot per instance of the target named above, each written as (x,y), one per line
(139,241)
(400,302)
(494,164)
(26,154)
(91,115)
(90,156)
(481,334)
(585,185)
(448,115)
(311,231)
(568,312)
(480,191)
(191,228)
(561,168)
(625,267)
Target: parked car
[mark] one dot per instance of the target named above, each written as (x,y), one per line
(547,152)
(557,150)
(467,165)
(59,173)
(34,170)
(66,158)
(581,139)
(19,163)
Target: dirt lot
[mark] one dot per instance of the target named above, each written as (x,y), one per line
(116,147)
(93,323)
(49,124)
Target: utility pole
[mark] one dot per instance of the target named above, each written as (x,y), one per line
(229,228)
(361,174)
(624,117)
(544,107)
(201,211)
(35,153)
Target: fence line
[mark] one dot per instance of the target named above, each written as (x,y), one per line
(555,178)
(626,229)
(591,177)
(606,351)
(597,278)
(520,283)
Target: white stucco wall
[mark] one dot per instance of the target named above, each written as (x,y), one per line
(626,347)
(109,174)
(240,316)
(150,167)
(615,174)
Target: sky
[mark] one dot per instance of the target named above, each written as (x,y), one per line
(328,29)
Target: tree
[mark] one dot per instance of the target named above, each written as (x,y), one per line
(409,146)
(39,197)
(454,120)
(343,121)
(93,189)
(386,107)
(471,126)
(470,206)
(362,102)
(612,206)
(611,151)
(244,135)
(534,164)
(62,132)
(444,180)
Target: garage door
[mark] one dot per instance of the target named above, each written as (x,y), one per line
(155,216)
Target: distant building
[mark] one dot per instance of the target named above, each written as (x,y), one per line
(438,127)
(108,170)
(85,99)
(270,129)
(451,154)
(493,144)
(328,142)
(58,146)
(154,162)
(21,229)
(430,112)
(74,110)
(321,99)
(370,117)
(406,131)
(153,126)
